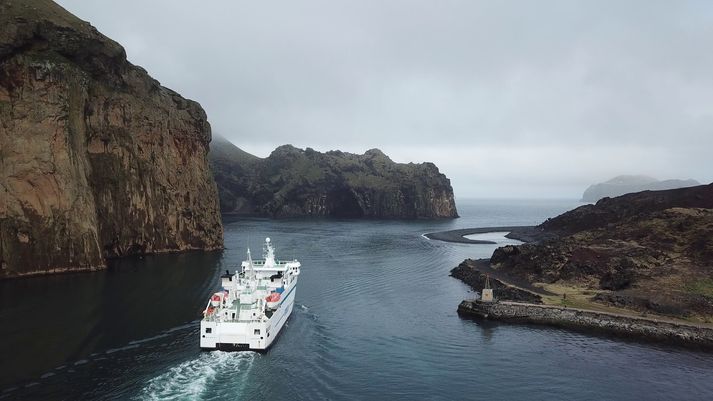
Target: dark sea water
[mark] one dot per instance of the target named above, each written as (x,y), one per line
(375,319)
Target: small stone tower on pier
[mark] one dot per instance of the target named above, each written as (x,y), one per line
(487,294)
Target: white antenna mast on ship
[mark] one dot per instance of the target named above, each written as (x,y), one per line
(268,253)
(250,263)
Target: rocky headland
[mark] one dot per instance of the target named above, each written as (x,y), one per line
(97,159)
(625,184)
(643,253)
(293,182)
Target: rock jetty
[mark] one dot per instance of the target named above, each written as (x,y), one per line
(622,325)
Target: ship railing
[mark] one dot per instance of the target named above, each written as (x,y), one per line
(260,262)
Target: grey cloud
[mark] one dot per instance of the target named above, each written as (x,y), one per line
(559,90)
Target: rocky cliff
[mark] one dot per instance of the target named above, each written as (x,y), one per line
(296,182)
(625,184)
(650,251)
(97,159)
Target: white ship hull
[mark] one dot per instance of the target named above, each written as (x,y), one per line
(238,336)
(253,306)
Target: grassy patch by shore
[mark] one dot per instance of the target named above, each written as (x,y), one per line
(581,298)
(701,287)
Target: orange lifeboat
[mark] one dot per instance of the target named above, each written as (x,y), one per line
(273,299)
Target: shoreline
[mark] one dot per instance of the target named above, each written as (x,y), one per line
(470,270)
(520,233)
(108,261)
(516,308)
(587,321)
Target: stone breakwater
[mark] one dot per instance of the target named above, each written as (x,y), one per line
(628,326)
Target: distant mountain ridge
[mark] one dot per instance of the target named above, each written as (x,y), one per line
(292,182)
(625,184)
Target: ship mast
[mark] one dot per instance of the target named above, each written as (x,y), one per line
(250,265)
(268,253)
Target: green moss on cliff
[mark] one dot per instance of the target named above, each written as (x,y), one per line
(701,286)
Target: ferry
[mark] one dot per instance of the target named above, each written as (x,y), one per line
(253,304)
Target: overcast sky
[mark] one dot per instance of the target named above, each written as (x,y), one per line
(508,98)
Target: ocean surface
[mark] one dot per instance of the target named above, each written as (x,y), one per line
(375,319)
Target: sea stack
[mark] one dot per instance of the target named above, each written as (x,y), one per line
(97,159)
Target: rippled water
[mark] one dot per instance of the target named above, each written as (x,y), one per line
(375,318)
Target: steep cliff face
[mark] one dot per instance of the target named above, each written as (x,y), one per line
(296,182)
(97,159)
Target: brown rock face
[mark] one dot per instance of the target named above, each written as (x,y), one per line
(97,159)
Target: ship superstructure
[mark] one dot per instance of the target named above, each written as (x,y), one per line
(253,304)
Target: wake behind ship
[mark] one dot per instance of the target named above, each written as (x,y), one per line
(253,306)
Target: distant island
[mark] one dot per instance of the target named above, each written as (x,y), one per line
(625,184)
(647,253)
(97,159)
(293,182)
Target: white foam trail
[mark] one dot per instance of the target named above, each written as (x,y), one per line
(125,348)
(190,379)
(148,339)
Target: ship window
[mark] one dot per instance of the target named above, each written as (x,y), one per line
(208,330)
(256,332)
(233,315)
